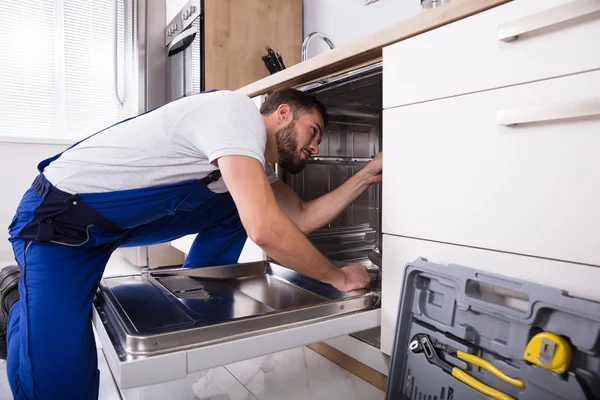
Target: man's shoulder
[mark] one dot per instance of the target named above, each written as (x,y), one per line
(222,96)
(237,99)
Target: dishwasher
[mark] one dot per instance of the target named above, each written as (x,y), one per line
(352,138)
(161,325)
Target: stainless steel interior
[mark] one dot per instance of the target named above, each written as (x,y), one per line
(353,137)
(157,312)
(351,140)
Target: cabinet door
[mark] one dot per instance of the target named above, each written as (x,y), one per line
(236,33)
(578,280)
(557,37)
(458,171)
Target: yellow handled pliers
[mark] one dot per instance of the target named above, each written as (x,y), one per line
(421,343)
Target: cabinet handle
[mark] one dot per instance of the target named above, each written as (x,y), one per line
(510,31)
(553,112)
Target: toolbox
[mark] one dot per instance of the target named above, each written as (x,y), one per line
(467,334)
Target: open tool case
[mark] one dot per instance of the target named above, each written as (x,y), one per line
(451,317)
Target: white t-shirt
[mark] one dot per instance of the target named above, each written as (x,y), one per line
(177,142)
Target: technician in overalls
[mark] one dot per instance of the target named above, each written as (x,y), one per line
(196,165)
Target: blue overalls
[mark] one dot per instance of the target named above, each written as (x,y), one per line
(62,243)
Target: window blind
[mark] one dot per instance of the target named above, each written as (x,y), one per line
(65,66)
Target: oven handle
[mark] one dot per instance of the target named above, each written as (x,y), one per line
(181,42)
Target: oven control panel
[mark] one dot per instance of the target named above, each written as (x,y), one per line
(182,20)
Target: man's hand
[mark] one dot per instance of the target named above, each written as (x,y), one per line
(355,277)
(373,170)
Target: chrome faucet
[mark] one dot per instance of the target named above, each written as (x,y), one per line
(308,39)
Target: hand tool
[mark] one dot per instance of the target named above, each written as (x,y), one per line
(549,351)
(421,343)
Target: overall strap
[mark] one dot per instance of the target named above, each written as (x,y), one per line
(212,177)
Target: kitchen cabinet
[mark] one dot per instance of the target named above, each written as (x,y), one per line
(490,149)
(477,53)
(237,33)
(457,173)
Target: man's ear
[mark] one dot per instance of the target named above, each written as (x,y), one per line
(284,114)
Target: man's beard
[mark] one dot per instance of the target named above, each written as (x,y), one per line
(287,149)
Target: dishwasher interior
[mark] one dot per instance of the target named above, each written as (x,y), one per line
(352,138)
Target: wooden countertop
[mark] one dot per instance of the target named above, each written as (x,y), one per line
(369,48)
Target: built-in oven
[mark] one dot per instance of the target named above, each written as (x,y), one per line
(184,41)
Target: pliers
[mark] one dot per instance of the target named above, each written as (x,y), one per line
(422,343)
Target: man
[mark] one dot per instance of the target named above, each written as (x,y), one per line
(196,165)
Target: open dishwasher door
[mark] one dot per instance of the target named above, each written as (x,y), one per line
(162,325)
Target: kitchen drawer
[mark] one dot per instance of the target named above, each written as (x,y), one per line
(468,55)
(454,173)
(162,325)
(577,280)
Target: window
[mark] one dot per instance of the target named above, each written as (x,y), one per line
(66,66)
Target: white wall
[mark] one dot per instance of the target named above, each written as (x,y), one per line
(18,168)
(172,7)
(348,20)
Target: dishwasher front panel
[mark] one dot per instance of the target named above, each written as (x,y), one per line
(179,321)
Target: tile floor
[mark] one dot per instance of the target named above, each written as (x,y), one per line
(293,374)
(296,374)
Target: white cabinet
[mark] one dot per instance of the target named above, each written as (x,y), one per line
(454,173)
(491,148)
(558,37)
(577,280)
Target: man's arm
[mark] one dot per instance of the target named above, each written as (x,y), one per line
(272,230)
(311,215)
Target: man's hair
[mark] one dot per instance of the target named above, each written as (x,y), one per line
(298,101)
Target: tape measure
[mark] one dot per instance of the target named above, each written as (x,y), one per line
(549,351)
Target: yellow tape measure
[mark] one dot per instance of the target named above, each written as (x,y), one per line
(549,351)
